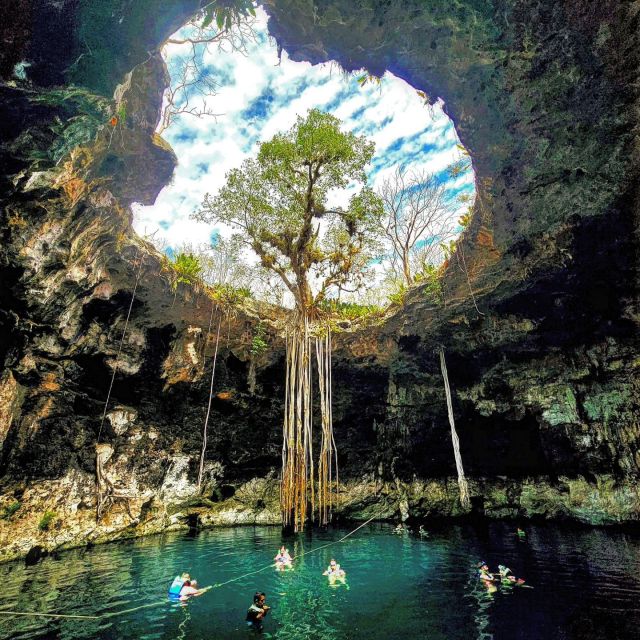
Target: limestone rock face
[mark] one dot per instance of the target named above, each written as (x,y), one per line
(539,320)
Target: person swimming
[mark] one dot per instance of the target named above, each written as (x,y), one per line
(483,572)
(190,589)
(504,572)
(184,587)
(334,570)
(507,577)
(283,559)
(487,579)
(257,611)
(177,584)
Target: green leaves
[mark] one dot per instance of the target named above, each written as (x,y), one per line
(121,113)
(350,310)
(258,343)
(227,13)
(457,168)
(208,17)
(187,268)
(368,78)
(47,520)
(431,280)
(277,200)
(8,511)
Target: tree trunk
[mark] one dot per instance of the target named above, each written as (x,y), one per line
(406,267)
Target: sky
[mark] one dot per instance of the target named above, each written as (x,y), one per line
(257,96)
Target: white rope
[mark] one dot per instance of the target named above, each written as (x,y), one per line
(37,614)
(124,333)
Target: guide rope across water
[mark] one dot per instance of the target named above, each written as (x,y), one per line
(217,585)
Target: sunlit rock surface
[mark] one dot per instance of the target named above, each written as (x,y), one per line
(539,323)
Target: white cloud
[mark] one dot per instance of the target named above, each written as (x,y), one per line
(261,97)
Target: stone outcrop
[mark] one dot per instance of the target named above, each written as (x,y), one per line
(539,316)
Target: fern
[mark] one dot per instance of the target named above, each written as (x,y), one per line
(187,268)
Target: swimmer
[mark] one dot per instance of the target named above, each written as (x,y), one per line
(504,572)
(189,589)
(257,611)
(520,533)
(422,532)
(177,584)
(487,579)
(483,572)
(334,570)
(283,559)
(507,577)
(184,587)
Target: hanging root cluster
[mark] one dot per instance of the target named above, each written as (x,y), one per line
(301,492)
(205,428)
(462,480)
(328,450)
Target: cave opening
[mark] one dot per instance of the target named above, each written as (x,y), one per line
(420,172)
(536,307)
(231,89)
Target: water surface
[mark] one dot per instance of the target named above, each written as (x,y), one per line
(586,585)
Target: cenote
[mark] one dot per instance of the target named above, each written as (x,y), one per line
(584,584)
(290,267)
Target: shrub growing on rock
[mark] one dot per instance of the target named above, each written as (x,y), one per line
(47,520)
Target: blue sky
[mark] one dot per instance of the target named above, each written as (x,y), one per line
(257,97)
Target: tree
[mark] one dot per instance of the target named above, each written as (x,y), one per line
(267,286)
(417,220)
(224,263)
(279,204)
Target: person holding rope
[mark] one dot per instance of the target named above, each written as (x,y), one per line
(257,611)
(183,588)
(283,559)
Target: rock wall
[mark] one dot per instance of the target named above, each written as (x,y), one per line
(539,319)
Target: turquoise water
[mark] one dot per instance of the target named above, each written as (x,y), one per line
(586,586)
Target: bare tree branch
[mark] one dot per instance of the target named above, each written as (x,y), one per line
(191,85)
(417,220)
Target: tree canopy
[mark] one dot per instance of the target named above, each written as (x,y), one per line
(279,204)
